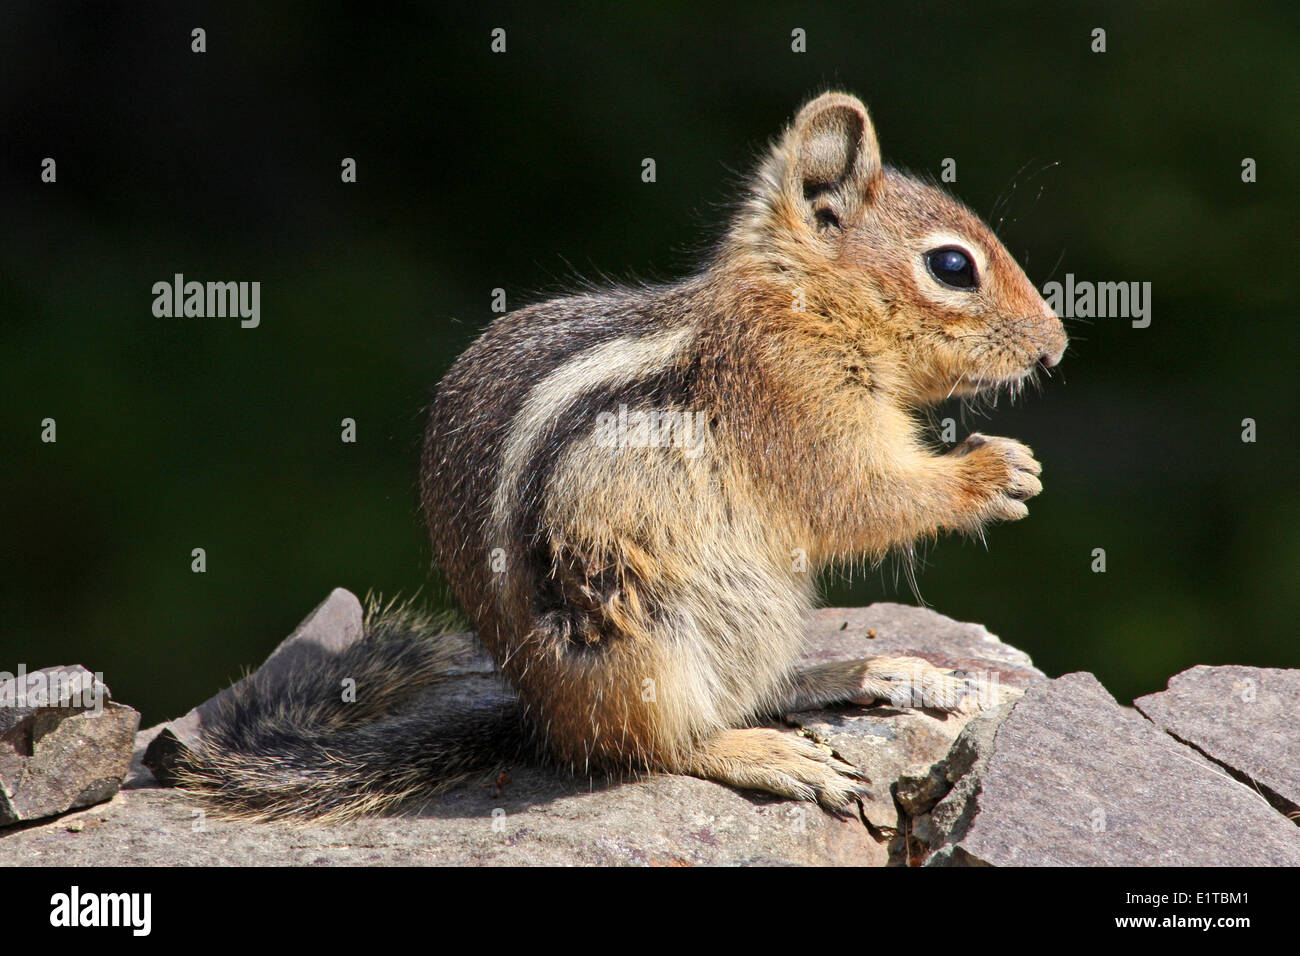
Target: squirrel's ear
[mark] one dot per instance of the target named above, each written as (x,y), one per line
(833,159)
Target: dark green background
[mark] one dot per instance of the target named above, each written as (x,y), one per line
(523,171)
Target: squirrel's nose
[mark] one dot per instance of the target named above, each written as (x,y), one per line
(1056,341)
(1049,361)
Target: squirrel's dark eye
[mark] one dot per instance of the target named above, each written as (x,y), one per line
(952,267)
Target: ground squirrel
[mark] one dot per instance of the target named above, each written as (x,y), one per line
(630,490)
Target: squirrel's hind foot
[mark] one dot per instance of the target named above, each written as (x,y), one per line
(777,762)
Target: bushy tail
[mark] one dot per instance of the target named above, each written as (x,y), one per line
(292,747)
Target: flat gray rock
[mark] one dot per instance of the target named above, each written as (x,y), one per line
(63,743)
(537,816)
(533,819)
(1070,778)
(1246,719)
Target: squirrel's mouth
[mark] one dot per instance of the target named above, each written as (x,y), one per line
(989,385)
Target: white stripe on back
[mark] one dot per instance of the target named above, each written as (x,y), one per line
(619,362)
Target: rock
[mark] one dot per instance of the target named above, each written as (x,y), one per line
(1069,778)
(538,816)
(333,625)
(51,690)
(886,742)
(534,819)
(1060,775)
(1242,718)
(899,630)
(63,743)
(918,793)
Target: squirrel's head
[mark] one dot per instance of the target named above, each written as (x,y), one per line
(886,257)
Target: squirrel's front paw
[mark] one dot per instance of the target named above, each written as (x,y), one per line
(1001,474)
(915,682)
